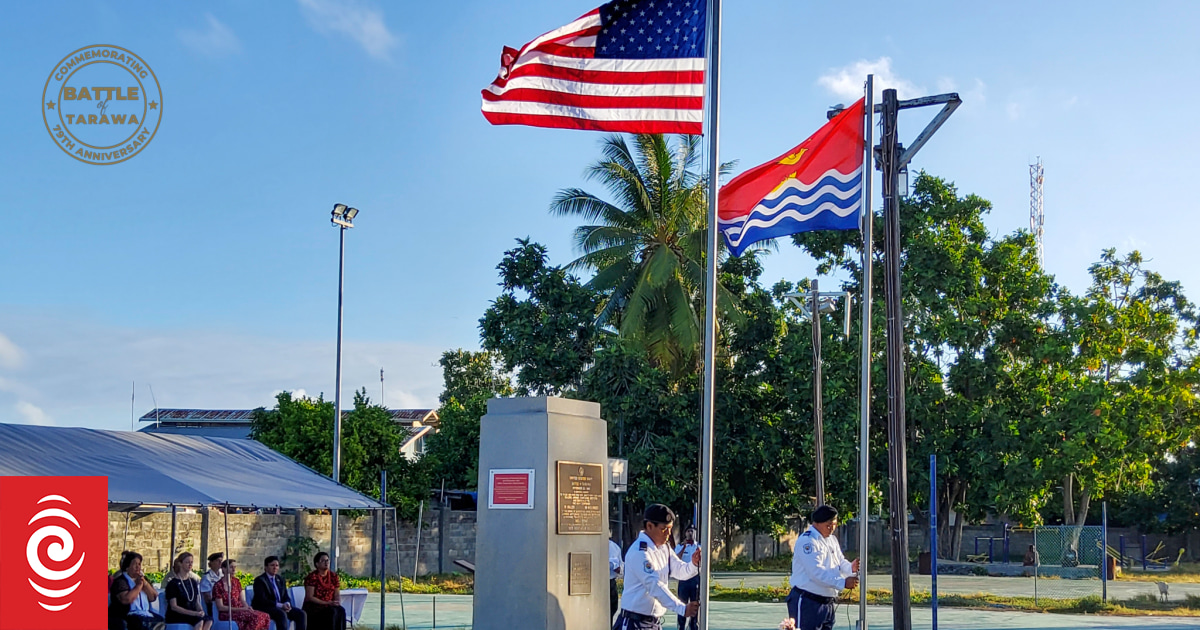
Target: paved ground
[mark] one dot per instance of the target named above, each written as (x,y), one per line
(454,611)
(1008,586)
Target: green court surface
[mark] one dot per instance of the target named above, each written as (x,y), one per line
(454,611)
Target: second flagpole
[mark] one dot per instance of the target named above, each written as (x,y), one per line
(712,94)
(864,445)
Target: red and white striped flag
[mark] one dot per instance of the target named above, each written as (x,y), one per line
(634,66)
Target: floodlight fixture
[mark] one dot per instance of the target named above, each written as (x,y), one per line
(343,215)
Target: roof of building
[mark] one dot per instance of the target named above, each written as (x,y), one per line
(231,431)
(245,416)
(160,469)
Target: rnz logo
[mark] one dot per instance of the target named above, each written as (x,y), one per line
(59,527)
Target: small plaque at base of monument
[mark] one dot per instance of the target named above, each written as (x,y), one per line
(580,498)
(579,575)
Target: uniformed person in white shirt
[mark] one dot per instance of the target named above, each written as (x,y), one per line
(689,589)
(648,564)
(819,573)
(615,566)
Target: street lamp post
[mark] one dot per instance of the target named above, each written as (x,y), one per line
(812,305)
(343,218)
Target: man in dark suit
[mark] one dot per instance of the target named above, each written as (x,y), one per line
(271,596)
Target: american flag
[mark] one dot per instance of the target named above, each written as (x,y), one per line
(634,66)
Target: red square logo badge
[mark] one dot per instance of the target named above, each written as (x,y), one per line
(53,553)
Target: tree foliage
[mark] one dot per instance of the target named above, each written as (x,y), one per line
(548,337)
(470,378)
(302,429)
(646,246)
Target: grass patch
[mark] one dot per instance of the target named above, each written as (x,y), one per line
(1184,572)
(773,564)
(440,584)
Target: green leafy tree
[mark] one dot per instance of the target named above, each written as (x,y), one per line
(471,378)
(549,336)
(1129,382)
(302,429)
(973,304)
(646,246)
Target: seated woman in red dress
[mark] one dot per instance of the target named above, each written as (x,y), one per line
(246,617)
(323,597)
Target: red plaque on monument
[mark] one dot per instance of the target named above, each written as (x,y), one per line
(510,489)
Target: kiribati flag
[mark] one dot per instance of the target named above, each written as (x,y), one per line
(815,186)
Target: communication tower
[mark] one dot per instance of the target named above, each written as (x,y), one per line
(1036,218)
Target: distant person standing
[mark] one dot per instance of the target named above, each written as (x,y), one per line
(649,563)
(689,589)
(819,573)
(615,567)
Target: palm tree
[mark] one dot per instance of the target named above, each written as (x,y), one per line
(647,247)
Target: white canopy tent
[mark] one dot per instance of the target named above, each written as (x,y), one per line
(154,471)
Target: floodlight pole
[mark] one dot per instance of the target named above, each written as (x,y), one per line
(893,159)
(343,218)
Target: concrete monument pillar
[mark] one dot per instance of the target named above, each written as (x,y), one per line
(541,557)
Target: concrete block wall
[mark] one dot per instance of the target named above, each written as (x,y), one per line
(445,537)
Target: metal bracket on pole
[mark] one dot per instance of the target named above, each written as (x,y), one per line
(949,102)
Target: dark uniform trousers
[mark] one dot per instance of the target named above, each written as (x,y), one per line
(612,598)
(633,621)
(811,612)
(689,590)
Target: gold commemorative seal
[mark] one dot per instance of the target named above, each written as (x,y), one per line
(102,104)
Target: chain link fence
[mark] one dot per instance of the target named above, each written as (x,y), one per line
(1068,561)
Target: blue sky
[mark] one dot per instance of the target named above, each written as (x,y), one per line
(206,267)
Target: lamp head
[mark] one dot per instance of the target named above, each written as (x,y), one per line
(343,215)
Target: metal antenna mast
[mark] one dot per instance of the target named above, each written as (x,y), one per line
(1036,217)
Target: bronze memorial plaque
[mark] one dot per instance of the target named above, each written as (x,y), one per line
(579,577)
(580,498)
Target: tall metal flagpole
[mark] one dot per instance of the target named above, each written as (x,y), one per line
(864,414)
(713,94)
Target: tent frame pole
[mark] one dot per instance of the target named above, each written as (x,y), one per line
(228,575)
(171,548)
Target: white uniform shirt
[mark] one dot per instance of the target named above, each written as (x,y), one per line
(685,551)
(818,565)
(647,568)
(209,580)
(614,560)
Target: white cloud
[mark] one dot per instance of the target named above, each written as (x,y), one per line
(80,372)
(847,82)
(33,414)
(978,94)
(214,39)
(1014,110)
(350,18)
(11,356)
